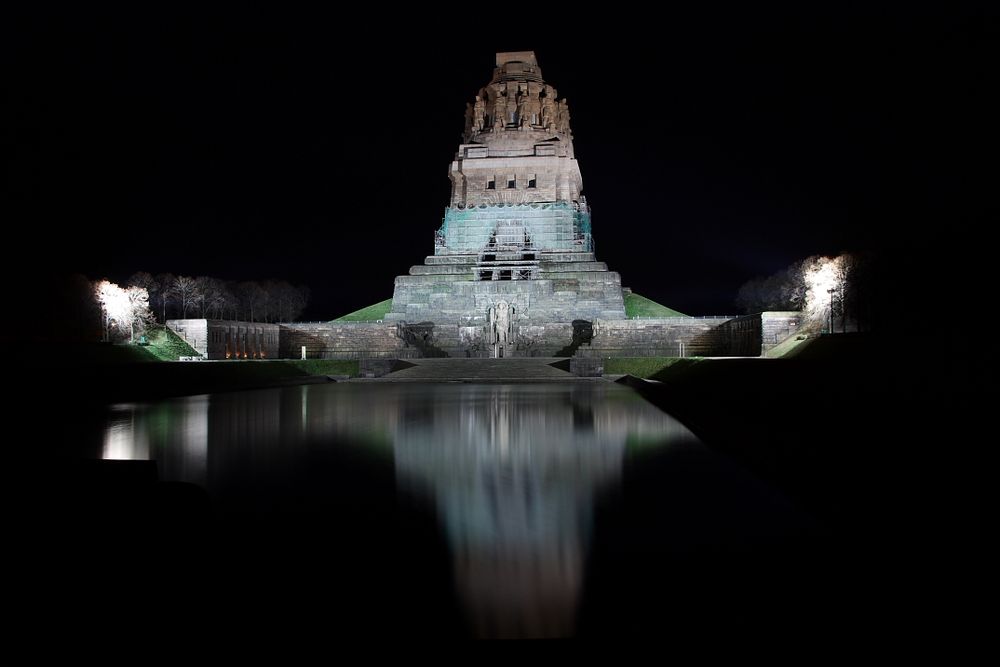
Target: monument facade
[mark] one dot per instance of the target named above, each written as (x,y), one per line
(513,271)
(515,247)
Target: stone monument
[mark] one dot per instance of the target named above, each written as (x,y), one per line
(513,272)
(513,261)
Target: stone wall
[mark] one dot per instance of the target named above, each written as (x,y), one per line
(560,294)
(750,335)
(655,337)
(229,339)
(547,225)
(671,337)
(344,340)
(753,335)
(777,325)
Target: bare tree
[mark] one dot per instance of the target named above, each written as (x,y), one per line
(283,302)
(252,296)
(283,297)
(231,302)
(137,314)
(299,302)
(204,293)
(217,298)
(122,309)
(164,294)
(147,282)
(269,300)
(185,289)
(776,292)
(823,288)
(103,295)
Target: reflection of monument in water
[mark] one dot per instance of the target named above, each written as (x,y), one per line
(512,470)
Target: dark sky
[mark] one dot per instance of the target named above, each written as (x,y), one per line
(246,144)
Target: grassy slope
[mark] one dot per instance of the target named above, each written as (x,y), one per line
(635,306)
(376,311)
(790,347)
(103,353)
(639,306)
(647,367)
(165,345)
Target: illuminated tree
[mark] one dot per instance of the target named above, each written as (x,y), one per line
(122,309)
(815,286)
(108,297)
(146,281)
(137,314)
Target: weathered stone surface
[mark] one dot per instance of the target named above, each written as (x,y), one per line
(344,340)
(229,339)
(753,335)
(660,337)
(517,232)
(376,368)
(586,366)
(598,338)
(513,272)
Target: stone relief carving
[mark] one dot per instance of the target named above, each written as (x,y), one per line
(523,115)
(548,119)
(564,116)
(501,327)
(534,107)
(499,112)
(478,114)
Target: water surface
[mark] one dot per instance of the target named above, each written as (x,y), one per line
(471,507)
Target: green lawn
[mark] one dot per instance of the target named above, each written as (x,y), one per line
(653,368)
(635,306)
(640,306)
(165,345)
(103,353)
(376,311)
(789,347)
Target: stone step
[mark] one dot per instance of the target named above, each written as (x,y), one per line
(515,369)
(464,270)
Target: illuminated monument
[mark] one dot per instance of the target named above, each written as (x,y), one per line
(513,272)
(515,247)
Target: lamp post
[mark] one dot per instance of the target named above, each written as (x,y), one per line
(831,291)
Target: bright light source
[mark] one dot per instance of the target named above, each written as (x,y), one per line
(124,309)
(822,275)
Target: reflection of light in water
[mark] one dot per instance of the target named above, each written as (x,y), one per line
(122,440)
(194,439)
(177,428)
(512,470)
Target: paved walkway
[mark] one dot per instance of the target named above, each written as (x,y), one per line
(518,369)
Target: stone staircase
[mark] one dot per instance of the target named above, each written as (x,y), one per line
(514,370)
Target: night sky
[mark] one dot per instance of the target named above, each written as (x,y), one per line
(243,144)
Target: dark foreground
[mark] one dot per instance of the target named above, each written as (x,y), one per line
(823,535)
(866,433)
